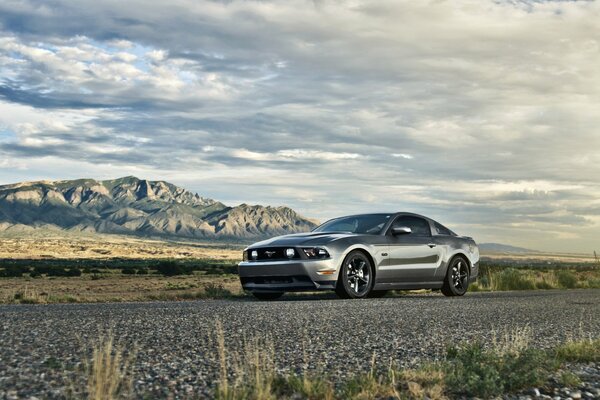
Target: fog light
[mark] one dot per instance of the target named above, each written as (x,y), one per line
(326,272)
(254,254)
(290,253)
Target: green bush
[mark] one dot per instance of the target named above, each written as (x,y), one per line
(64,272)
(13,271)
(566,278)
(579,351)
(512,279)
(42,269)
(216,291)
(170,268)
(475,371)
(543,285)
(142,271)
(128,271)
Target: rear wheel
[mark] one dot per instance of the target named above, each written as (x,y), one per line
(356,276)
(267,296)
(457,278)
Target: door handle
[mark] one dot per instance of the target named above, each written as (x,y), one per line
(432,245)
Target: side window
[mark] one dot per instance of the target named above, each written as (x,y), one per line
(418,226)
(442,230)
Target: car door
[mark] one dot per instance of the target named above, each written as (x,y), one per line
(413,257)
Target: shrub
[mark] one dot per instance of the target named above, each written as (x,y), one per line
(566,278)
(216,291)
(587,350)
(42,269)
(142,271)
(128,271)
(170,268)
(64,272)
(35,274)
(475,371)
(13,271)
(543,284)
(512,279)
(569,379)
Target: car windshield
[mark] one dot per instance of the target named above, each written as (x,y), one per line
(368,223)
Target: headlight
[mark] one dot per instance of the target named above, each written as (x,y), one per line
(315,252)
(245,255)
(290,253)
(254,254)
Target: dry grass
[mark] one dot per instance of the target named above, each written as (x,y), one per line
(507,364)
(502,279)
(117,288)
(513,341)
(107,372)
(252,368)
(249,373)
(65,245)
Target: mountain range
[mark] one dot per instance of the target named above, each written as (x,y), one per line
(503,248)
(136,206)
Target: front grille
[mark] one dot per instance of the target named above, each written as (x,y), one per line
(272,254)
(300,280)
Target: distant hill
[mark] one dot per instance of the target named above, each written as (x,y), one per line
(503,248)
(135,206)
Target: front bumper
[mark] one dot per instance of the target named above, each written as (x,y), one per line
(288,275)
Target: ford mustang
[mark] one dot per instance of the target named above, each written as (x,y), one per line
(362,256)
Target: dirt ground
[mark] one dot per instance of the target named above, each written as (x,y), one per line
(115,287)
(82,246)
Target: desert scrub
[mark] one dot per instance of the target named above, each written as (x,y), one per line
(500,278)
(506,364)
(179,286)
(566,279)
(473,370)
(30,296)
(569,379)
(581,350)
(216,291)
(511,279)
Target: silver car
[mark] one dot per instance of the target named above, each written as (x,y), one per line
(362,256)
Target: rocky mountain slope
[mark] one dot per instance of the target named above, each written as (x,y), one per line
(134,206)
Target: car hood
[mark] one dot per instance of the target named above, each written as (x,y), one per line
(303,239)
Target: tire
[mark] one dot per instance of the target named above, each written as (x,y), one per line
(457,278)
(267,296)
(356,276)
(376,294)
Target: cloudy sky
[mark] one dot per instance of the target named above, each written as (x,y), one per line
(482,114)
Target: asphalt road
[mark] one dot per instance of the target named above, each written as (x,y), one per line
(42,345)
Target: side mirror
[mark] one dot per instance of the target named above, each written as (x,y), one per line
(401,230)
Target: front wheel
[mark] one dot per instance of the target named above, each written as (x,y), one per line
(457,278)
(356,276)
(267,296)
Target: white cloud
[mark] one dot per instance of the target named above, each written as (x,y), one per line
(481,113)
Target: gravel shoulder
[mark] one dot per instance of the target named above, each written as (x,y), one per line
(174,342)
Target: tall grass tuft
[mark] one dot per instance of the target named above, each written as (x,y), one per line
(566,279)
(511,279)
(253,370)
(29,296)
(107,372)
